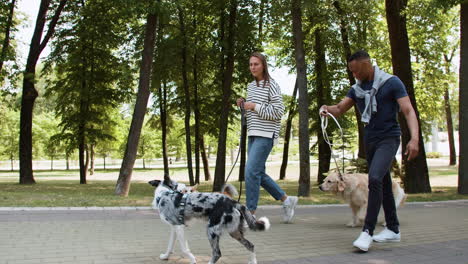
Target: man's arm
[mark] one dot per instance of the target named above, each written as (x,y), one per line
(412,148)
(338,109)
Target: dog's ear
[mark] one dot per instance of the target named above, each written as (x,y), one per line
(154,183)
(341,186)
(194,188)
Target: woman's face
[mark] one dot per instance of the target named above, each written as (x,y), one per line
(256,68)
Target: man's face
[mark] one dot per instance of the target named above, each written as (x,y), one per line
(360,69)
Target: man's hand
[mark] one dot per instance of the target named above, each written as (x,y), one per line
(412,149)
(323,110)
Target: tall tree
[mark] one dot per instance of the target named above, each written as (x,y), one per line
(416,178)
(352,81)
(287,134)
(304,156)
(226,103)
(185,84)
(448,112)
(90,79)
(463,111)
(29,93)
(123,183)
(323,98)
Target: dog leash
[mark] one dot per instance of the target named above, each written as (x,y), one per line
(324,124)
(241,140)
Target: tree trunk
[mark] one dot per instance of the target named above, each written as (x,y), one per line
(416,171)
(196,107)
(287,133)
(6,41)
(92,159)
(206,165)
(463,130)
(304,156)
(352,81)
(67,162)
(323,98)
(81,157)
(197,134)
(219,178)
(188,144)
(123,183)
(448,116)
(29,93)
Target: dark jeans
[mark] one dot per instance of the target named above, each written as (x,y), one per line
(380,155)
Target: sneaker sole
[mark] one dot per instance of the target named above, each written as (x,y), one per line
(362,249)
(387,240)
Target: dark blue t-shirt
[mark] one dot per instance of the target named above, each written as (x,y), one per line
(384,123)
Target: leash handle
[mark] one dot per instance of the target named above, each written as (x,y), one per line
(324,125)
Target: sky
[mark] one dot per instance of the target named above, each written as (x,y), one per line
(30,8)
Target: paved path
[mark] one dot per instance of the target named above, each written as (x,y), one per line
(431,233)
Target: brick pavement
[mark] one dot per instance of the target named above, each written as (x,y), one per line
(431,233)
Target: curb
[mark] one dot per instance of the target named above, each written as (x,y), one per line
(140,208)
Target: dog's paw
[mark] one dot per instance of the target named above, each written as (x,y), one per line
(252,261)
(164,256)
(351,224)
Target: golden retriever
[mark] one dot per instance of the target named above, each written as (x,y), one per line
(353,188)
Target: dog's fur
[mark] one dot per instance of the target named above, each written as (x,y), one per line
(221,212)
(353,188)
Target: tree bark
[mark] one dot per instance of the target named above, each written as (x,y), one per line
(323,98)
(304,155)
(29,93)
(463,109)
(188,144)
(219,178)
(416,171)
(287,133)
(123,183)
(352,81)
(92,159)
(196,108)
(6,41)
(206,165)
(448,115)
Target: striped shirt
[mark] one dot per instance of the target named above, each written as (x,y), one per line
(265,120)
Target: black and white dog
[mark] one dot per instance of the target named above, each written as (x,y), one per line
(221,212)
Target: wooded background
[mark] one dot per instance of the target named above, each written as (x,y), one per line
(159,79)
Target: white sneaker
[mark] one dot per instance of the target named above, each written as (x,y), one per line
(288,205)
(363,242)
(387,235)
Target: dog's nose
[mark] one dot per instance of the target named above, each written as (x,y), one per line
(320,187)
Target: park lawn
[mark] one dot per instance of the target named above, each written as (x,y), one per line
(67,193)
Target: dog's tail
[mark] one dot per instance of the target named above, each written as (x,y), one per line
(229,190)
(261,224)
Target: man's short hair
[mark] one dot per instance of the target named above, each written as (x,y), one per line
(359,55)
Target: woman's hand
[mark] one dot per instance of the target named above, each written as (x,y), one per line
(239,101)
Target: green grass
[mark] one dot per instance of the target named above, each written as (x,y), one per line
(101,193)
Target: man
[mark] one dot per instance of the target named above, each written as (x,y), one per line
(379,96)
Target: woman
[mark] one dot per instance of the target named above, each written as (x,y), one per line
(265,108)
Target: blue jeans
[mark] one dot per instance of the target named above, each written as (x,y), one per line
(258,150)
(380,155)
